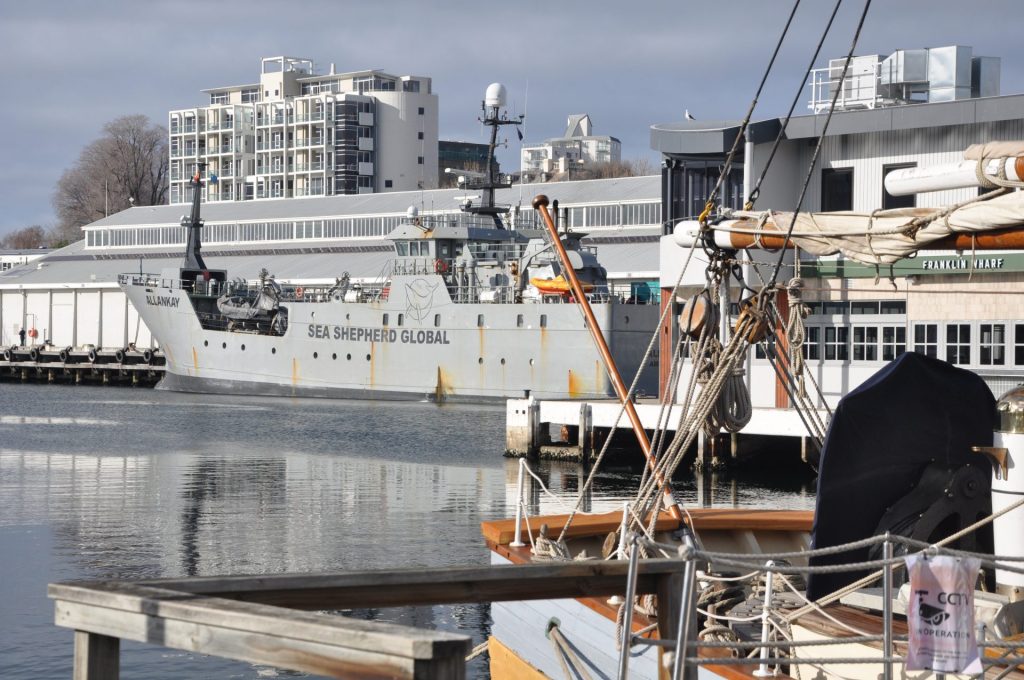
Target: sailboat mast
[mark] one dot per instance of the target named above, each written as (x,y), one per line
(540,204)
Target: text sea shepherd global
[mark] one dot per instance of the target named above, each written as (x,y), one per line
(405,336)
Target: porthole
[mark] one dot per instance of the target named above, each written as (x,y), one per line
(316,355)
(367,357)
(346,317)
(206,343)
(627,318)
(503,361)
(243,348)
(223,345)
(273,350)
(531,362)
(480,360)
(349,357)
(334,357)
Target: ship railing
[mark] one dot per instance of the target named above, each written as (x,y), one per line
(148,281)
(775,582)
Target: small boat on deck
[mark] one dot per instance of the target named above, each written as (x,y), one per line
(557,285)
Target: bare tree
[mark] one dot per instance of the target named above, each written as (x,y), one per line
(127,164)
(25,239)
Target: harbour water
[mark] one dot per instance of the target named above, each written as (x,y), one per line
(129,483)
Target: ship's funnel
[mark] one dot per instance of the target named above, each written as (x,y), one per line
(1008,488)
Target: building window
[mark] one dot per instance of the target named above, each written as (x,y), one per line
(479,320)
(958,343)
(419,159)
(219,98)
(836,189)
(421,111)
(543,320)
(1018,344)
(519,320)
(894,342)
(893,307)
(419,135)
(863,307)
(388,184)
(926,339)
(991,344)
(836,348)
(812,343)
(889,202)
(765,349)
(865,343)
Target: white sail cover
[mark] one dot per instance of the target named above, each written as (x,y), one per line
(885,236)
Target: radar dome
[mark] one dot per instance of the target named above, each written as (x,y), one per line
(412,213)
(495,95)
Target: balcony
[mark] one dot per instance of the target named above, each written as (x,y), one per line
(365,118)
(366,168)
(366,143)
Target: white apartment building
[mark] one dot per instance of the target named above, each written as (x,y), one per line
(577,148)
(297,133)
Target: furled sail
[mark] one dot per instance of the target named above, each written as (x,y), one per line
(883,236)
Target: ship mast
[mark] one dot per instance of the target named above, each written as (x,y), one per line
(494,118)
(194,223)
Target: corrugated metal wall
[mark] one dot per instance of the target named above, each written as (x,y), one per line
(868,153)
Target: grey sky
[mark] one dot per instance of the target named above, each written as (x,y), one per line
(70,67)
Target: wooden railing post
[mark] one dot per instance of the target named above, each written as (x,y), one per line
(97,657)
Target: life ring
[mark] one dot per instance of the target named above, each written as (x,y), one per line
(298,293)
(440,266)
(33,333)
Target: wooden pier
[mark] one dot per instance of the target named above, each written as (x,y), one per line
(278,620)
(85,366)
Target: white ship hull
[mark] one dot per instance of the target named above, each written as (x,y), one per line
(410,346)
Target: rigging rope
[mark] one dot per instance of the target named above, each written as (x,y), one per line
(756,191)
(742,131)
(821,140)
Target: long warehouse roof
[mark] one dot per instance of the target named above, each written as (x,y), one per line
(646,188)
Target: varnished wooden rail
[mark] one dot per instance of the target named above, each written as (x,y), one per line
(265,619)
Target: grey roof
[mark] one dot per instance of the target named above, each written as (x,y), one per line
(391,203)
(628,250)
(716,137)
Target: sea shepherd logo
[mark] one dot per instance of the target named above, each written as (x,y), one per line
(162,301)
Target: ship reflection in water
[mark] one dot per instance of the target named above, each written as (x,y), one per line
(101,483)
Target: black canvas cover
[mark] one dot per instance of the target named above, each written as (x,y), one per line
(914,412)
